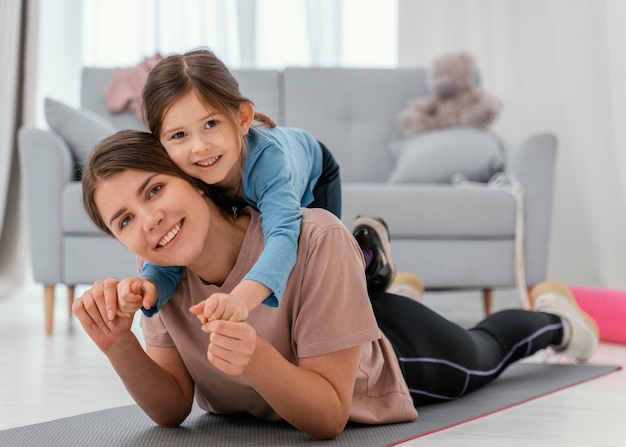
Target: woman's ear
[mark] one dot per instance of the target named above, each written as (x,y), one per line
(246,116)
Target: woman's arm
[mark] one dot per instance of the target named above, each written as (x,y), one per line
(156,379)
(314,396)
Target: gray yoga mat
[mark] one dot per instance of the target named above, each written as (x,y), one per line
(129,426)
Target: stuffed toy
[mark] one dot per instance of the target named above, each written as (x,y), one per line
(456,100)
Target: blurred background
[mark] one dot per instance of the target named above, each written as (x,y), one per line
(557,65)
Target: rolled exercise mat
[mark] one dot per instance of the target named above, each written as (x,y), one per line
(607,307)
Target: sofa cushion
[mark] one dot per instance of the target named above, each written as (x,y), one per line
(436,156)
(353,112)
(434,211)
(80,128)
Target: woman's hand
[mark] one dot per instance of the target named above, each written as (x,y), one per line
(232,345)
(232,342)
(91,311)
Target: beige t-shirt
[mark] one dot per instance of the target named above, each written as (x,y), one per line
(325,308)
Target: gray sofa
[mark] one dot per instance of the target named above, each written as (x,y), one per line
(453,237)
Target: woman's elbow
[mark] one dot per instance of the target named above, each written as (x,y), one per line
(169,423)
(328,430)
(169,418)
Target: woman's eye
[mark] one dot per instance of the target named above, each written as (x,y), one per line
(210,123)
(154,190)
(178,135)
(124,221)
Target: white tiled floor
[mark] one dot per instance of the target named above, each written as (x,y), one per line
(44,378)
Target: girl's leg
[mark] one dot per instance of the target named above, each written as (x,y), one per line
(442,361)
(327,190)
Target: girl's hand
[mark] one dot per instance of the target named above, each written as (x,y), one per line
(221,306)
(132,294)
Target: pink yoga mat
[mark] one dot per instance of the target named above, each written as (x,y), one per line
(607,307)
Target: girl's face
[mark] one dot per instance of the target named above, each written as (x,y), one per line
(160,218)
(203,142)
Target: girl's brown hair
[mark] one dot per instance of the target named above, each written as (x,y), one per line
(199,70)
(133,150)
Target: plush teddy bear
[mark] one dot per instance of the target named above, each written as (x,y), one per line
(455,99)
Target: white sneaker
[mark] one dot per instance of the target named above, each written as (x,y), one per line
(409,285)
(580,332)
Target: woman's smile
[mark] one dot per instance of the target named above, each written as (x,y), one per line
(173,233)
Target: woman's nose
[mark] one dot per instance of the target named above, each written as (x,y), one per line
(152,219)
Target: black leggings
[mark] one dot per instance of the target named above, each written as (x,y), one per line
(442,361)
(327,190)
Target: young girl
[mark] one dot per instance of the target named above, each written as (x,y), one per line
(193,105)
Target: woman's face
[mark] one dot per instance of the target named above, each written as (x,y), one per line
(203,142)
(161,218)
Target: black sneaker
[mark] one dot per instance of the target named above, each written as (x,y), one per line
(372,233)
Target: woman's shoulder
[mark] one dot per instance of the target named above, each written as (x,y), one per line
(318,221)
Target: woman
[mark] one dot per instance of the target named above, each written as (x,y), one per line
(316,361)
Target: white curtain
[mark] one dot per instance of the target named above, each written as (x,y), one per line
(559,66)
(12,251)
(244,33)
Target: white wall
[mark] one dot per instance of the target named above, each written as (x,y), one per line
(517,57)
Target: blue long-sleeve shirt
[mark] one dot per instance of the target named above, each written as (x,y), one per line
(279,174)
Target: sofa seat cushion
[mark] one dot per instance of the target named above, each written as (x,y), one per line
(74,219)
(433,211)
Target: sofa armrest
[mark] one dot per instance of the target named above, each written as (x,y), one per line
(46,166)
(532,163)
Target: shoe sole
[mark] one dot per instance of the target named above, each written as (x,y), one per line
(555,287)
(379,228)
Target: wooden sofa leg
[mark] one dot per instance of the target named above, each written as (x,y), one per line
(487,300)
(70,298)
(48,295)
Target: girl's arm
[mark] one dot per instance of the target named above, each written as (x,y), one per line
(165,279)
(271,190)
(157,379)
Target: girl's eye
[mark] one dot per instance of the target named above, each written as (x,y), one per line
(178,135)
(210,124)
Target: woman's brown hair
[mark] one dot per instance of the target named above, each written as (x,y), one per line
(134,150)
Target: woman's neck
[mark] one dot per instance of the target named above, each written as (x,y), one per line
(221,249)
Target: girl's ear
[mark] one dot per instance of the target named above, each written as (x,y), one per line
(246,116)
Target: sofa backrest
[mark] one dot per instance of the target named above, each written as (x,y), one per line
(263,87)
(353,112)
(93,83)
